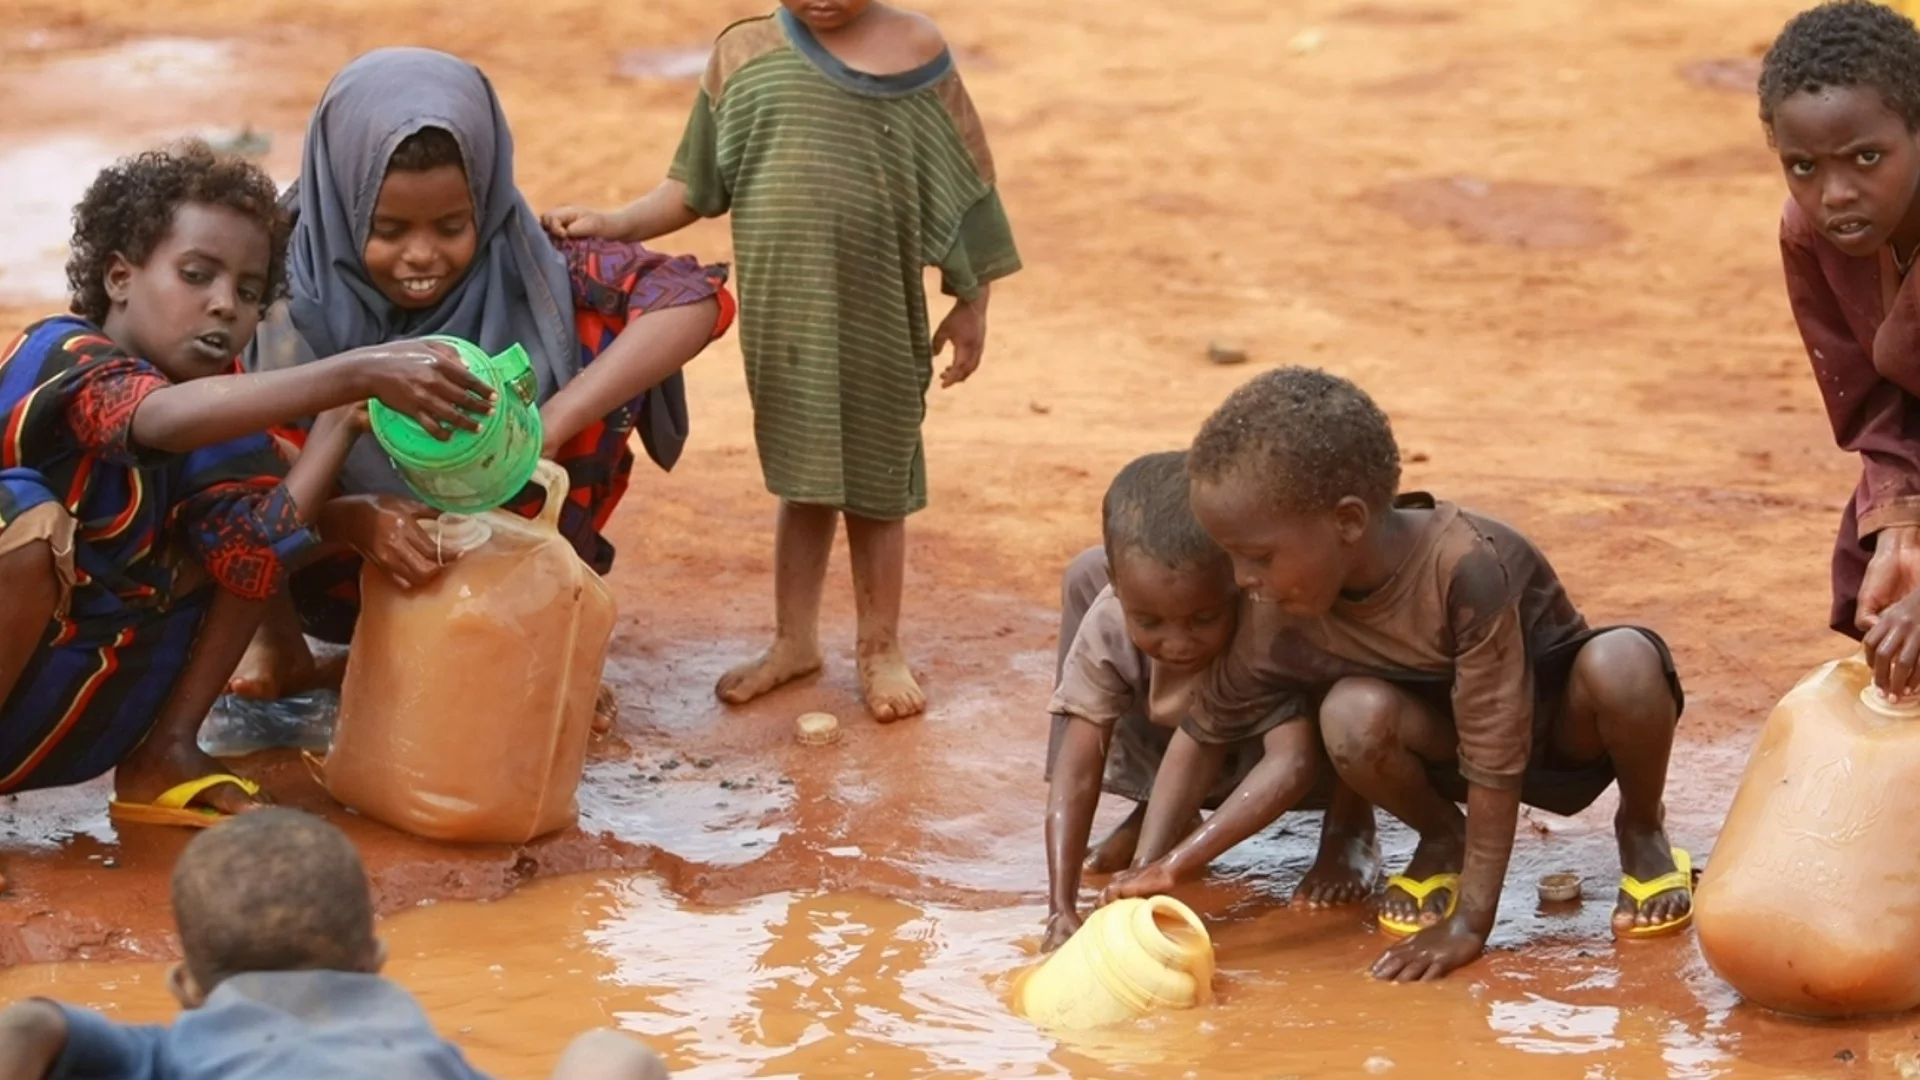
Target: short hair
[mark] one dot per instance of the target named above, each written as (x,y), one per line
(1147,510)
(128,210)
(1310,438)
(426,149)
(272,890)
(1841,44)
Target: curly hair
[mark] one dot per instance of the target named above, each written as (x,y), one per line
(1310,438)
(129,208)
(1147,511)
(426,149)
(1840,44)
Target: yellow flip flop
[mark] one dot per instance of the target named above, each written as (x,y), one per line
(1643,891)
(172,808)
(1420,890)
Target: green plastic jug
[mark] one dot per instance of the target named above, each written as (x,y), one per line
(470,472)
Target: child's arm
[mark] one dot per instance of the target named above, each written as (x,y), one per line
(659,212)
(423,380)
(1072,798)
(32,1036)
(1283,776)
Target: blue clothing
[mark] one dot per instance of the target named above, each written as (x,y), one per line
(282,1025)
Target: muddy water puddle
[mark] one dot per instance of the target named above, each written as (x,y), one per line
(852,984)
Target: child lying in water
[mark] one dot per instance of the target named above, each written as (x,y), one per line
(280,979)
(1131,650)
(1485,685)
(143,515)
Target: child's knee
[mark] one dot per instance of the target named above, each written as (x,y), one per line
(1359,722)
(33,581)
(1622,677)
(609,1055)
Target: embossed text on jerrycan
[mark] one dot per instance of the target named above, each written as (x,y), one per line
(470,472)
(468,702)
(1129,958)
(1811,901)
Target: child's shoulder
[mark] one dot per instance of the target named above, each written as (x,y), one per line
(737,46)
(916,35)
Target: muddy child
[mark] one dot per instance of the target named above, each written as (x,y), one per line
(1840,101)
(145,517)
(832,248)
(1142,618)
(1486,686)
(280,977)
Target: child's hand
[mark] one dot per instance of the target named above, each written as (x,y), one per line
(385,530)
(965,328)
(1060,927)
(426,381)
(577,222)
(1893,574)
(1152,880)
(349,420)
(1432,952)
(1893,648)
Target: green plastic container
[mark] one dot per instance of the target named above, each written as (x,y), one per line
(471,472)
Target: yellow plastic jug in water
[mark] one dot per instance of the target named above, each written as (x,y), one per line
(468,703)
(1811,901)
(1129,958)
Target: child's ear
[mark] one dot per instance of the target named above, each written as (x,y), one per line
(118,278)
(186,990)
(1351,518)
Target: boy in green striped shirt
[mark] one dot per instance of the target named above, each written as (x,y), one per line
(838,135)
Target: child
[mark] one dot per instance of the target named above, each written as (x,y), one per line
(1840,100)
(1488,687)
(134,471)
(409,222)
(280,978)
(832,245)
(1135,648)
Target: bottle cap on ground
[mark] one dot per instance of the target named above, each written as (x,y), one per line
(817,729)
(1560,888)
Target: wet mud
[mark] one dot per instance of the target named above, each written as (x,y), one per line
(1588,340)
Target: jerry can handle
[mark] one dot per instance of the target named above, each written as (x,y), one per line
(552,477)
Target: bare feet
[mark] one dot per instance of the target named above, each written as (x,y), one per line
(272,670)
(1345,871)
(1646,854)
(1115,853)
(778,666)
(1435,855)
(153,769)
(888,684)
(606,710)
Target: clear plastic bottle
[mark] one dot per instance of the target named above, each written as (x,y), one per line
(468,704)
(1810,903)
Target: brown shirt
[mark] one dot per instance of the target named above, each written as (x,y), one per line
(1861,326)
(1473,606)
(1106,677)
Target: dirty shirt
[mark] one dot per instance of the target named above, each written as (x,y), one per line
(271,1026)
(1860,322)
(843,188)
(1473,606)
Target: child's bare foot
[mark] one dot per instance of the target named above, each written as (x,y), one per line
(778,666)
(1115,853)
(271,670)
(1344,872)
(1646,854)
(889,687)
(606,710)
(1436,855)
(157,767)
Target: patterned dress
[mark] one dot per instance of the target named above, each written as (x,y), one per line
(148,530)
(843,187)
(613,284)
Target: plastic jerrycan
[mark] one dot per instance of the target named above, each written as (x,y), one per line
(1128,959)
(470,472)
(468,703)
(1810,903)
